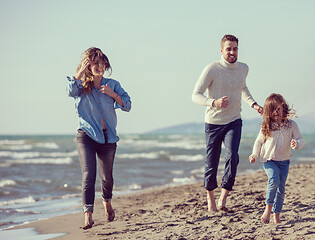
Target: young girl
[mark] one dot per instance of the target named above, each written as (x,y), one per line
(96,99)
(278,134)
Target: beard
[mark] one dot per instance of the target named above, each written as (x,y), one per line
(231,58)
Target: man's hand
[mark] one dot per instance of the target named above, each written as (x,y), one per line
(293,144)
(222,102)
(258,108)
(251,159)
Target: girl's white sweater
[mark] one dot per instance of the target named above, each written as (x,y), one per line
(278,146)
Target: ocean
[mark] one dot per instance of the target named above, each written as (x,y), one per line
(40,176)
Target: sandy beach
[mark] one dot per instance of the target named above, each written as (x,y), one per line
(181,213)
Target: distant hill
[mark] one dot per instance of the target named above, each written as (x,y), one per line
(198,128)
(306,124)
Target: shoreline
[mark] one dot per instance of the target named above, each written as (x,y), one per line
(64,204)
(180,212)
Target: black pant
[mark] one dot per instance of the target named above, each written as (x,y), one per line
(230,135)
(87,150)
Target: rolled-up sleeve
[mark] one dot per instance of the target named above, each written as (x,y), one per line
(125,98)
(74,87)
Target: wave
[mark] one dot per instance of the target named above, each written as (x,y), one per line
(306,159)
(153,155)
(19,147)
(188,144)
(182,145)
(177,172)
(184,180)
(198,171)
(127,189)
(49,145)
(58,161)
(19,155)
(7,182)
(60,154)
(23,155)
(48,181)
(23,145)
(162,154)
(28,199)
(134,187)
(10,211)
(66,196)
(12,142)
(4,165)
(187,158)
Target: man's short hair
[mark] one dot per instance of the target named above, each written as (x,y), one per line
(228,37)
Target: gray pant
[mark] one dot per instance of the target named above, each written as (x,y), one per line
(87,151)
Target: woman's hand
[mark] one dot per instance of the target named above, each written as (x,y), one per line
(82,69)
(251,159)
(107,90)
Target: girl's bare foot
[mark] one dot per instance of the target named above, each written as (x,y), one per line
(276,218)
(265,218)
(88,221)
(109,211)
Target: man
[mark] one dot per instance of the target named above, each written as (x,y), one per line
(225,81)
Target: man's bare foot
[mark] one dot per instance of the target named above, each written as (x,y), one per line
(211,202)
(222,200)
(276,218)
(109,211)
(265,218)
(88,221)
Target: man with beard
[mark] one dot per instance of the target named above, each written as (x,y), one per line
(225,81)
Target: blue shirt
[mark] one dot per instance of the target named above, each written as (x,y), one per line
(92,107)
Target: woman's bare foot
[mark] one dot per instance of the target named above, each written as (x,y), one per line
(276,218)
(265,218)
(211,202)
(109,211)
(88,221)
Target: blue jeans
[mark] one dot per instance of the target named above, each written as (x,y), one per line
(277,172)
(87,151)
(230,135)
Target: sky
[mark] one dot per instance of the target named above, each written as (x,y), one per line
(157,50)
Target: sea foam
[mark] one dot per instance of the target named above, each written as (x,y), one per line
(67,160)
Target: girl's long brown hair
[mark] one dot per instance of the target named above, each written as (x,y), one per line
(270,106)
(88,77)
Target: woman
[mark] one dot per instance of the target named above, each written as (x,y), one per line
(96,99)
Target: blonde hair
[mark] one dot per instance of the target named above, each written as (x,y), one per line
(271,104)
(88,77)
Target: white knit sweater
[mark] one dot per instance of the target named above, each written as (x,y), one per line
(223,79)
(278,146)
